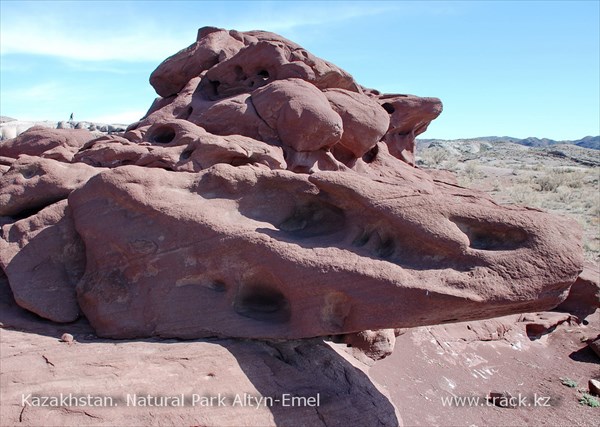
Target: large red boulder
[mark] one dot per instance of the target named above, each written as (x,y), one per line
(58,144)
(267,195)
(263,86)
(213,45)
(249,252)
(409,117)
(299,113)
(32,183)
(364,120)
(44,258)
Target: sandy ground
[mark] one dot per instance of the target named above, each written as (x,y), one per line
(433,364)
(429,367)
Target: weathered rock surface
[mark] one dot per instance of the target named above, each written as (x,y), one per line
(299,113)
(59,144)
(212,46)
(266,87)
(268,195)
(13,128)
(370,346)
(40,358)
(364,121)
(179,145)
(337,249)
(43,258)
(409,117)
(538,325)
(32,183)
(595,346)
(584,295)
(428,364)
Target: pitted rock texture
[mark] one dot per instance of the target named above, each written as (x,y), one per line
(266,87)
(268,195)
(338,249)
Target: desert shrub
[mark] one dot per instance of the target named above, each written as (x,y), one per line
(523,194)
(588,203)
(550,181)
(564,195)
(594,211)
(589,400)
(591,248)
(451,165)
(484,147)
(524,179)
(435,156)
(568,382)
(576,179)
(472,170)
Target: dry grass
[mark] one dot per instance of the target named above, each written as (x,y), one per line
(526,178)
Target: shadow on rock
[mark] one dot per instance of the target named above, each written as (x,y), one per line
(312,384)
(303,382)
(14,317)
(584,355)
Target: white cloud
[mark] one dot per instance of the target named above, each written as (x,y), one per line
(55,33)
(272,19)
(41,92)
(102,67)
(32,38)
(138,34)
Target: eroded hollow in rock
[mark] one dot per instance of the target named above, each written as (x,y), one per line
(381,246)
(371,155)
(262,302)
(188,112)
(214,85)
(314,219)
(163,135)
(186,154)
(491,236)
(217,286)
(388,107)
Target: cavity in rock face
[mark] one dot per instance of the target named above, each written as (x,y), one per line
(268,195)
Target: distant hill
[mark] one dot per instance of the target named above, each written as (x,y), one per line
(592,142)
(589,142)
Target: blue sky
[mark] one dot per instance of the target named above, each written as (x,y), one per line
(513,68)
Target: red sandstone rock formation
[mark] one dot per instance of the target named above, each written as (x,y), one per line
(584,295)
(58,144)
(267,195)
(44,258)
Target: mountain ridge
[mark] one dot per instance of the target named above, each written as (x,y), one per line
(592,142)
